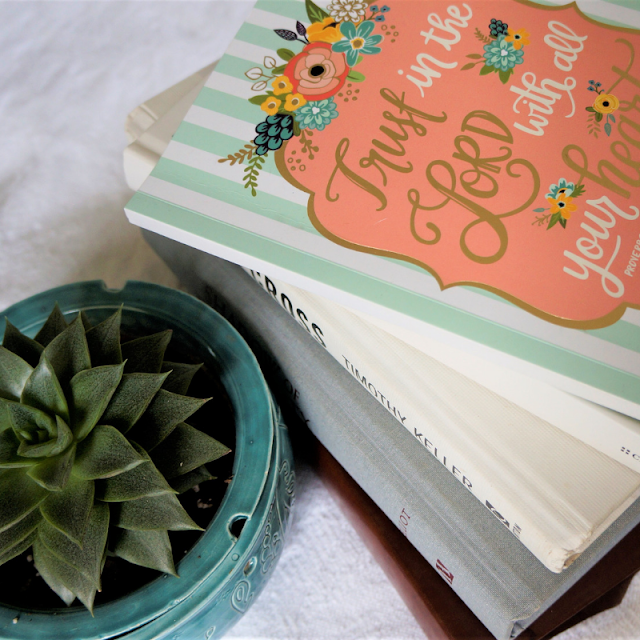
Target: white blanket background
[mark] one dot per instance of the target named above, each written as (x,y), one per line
(69,74)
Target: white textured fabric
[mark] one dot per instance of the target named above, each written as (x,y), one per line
(70,73)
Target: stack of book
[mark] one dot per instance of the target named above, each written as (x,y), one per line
(434,203)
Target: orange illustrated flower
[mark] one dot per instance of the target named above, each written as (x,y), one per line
(606,103)
(517,38)
(281,85)
(271,105)
(325,31)
(562,204)
(317,72)
(293,101)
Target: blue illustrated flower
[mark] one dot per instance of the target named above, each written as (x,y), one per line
(385,9)
(502,54)
(316,114)
(379,18)
(374,8)
(358,41)
(563,187)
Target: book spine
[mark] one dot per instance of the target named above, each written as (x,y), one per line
(354,346)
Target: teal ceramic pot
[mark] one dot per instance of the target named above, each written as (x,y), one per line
(223,573)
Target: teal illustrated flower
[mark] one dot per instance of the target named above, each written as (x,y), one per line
(359,41)
(563,187)
(317,114)
(273,132)
(501,54)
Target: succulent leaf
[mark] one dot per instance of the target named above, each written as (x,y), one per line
(86,323)
(18,532)
(105,453)
(53,473)
(20,546)
(54,325)
(180,376)
(104,341)
(28,349)
(9,457)
(28,421)
(69,510)
(186,449)
(69,353)
(131,399)
(87,559)
(189,480)
(91,390)
(152,513)
(166,411)
(43,391)
(141,481)
(19,496)
(14,373)
(145,355)
(150,549)
(66,581)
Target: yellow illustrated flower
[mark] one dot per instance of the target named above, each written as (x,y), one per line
(562,204)
(282,85)
(271,105)
(517,38)
(606,103)
(325,31)
(293,101)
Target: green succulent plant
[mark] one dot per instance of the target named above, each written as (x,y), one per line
(94,448)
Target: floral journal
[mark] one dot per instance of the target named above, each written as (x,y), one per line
(470,167)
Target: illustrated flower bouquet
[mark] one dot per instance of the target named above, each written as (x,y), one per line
(560,197)
(604,105)
(502,50)
(297,97)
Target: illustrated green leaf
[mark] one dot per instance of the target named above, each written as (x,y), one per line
(285,54)
(54,325)
(555,218)
(66,581)
(53,473)
(296,128)
(165,412)
(505,75)
(145,355)
(18,548)
(591,109)
(611,117)
(186,449)
(29,350)
(19,496)
(474,56)
(540,210)
(355,76)
(142,481)
(578,191)
(91,391)
(180,376)
(468,66)
(607,128)
(258,99)
(599,117)
(18,532)
(315,13)
(68,353)
(153,513)
(104,341)
(189,480)
(104,454)
(14,373)
(87,558)
(487,69)
(131,399)
(563,223)
(9,457)
(69,510)
(278,71)
(43,391)
(150,549)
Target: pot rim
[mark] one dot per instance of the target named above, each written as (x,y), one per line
(242,378)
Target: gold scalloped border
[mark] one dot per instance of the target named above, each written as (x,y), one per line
(604,321)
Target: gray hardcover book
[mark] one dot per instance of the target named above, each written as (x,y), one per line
(495,575)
